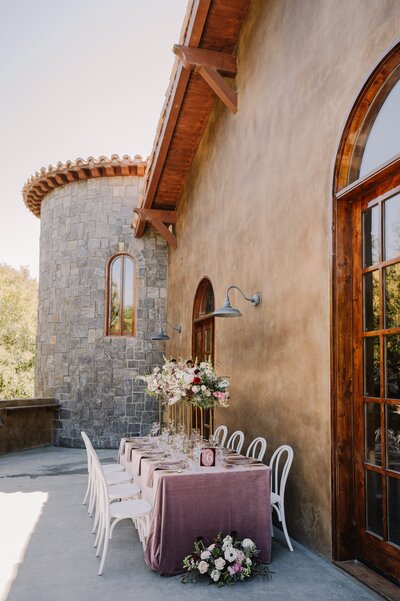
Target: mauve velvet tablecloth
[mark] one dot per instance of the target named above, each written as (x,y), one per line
(202,503)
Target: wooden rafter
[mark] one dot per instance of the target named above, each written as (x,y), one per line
(210,65)
(196,57)
(157,219)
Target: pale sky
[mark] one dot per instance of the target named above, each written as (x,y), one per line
(77,78)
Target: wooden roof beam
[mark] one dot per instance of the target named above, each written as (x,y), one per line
(197,57)
(157,218)
(210,65)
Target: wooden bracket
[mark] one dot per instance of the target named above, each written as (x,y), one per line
(211,66)
(158,218)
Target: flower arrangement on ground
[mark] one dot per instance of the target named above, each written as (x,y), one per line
(225,561)
(188,383)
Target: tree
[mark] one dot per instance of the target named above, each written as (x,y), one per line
(18,320)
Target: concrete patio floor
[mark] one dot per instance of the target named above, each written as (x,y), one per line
(46,549)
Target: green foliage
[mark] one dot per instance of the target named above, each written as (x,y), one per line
(18,320)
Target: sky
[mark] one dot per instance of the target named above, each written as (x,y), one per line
(77,79)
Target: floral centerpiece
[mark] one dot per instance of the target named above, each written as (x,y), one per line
(225,561)
(188,383)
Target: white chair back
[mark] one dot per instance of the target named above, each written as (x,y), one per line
(257,448)
(236,441)
(220,435)
(279,475)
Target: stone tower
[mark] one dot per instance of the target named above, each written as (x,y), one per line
(86,208)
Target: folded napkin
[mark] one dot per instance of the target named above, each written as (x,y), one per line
(163,465)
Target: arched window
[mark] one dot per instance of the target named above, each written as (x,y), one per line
(203,336)
(366,326)
(203,322)
(121,296)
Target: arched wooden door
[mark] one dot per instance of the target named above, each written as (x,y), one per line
(203,332)
(367,329)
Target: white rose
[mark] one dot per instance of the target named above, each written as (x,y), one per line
(211,547)
(230,554)
(215,575)
(247,543)
(220,563)
(195,389)
(205,554)
(188,378)
(227,542)
(202,567)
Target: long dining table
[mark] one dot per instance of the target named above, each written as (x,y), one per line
(199,502)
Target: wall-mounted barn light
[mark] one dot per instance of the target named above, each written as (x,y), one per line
(162,335)
(228,311)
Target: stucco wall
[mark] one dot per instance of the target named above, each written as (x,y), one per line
(256,212)
(93,376)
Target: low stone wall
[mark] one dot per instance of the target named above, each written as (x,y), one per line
(26,423)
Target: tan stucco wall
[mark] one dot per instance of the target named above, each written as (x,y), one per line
(256,212)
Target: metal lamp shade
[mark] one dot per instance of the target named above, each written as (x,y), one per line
(160,336)
(227,310)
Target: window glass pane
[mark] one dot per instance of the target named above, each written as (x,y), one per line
(393,437)
(371,236)
(384,138)
(115,296)
(208,301)
(373,446)
(128,296)
(371,300)
(392,366)
(392,296)
(394,511)
(392,227)
(373,501)
(372,364)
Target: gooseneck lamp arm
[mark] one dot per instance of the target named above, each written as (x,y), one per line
(178,328)
(255,299)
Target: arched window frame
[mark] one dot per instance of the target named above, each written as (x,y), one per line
(110,263)
(359,123)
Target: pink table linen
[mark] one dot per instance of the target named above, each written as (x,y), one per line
(202,503)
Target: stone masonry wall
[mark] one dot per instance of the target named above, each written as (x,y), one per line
(93,375)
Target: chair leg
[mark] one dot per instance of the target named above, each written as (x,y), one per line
(103,556)
(86,498)
(283,520)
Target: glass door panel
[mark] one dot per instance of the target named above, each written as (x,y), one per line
(371,236)
(372,366)
(376,321)
(373,445)
(374,522)
(392,228)
(392,296)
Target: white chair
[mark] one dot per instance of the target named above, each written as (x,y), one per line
(220,435)
(257,448)
(107,468)
(113,476)
(236,441)
(278,483)
(110,514)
